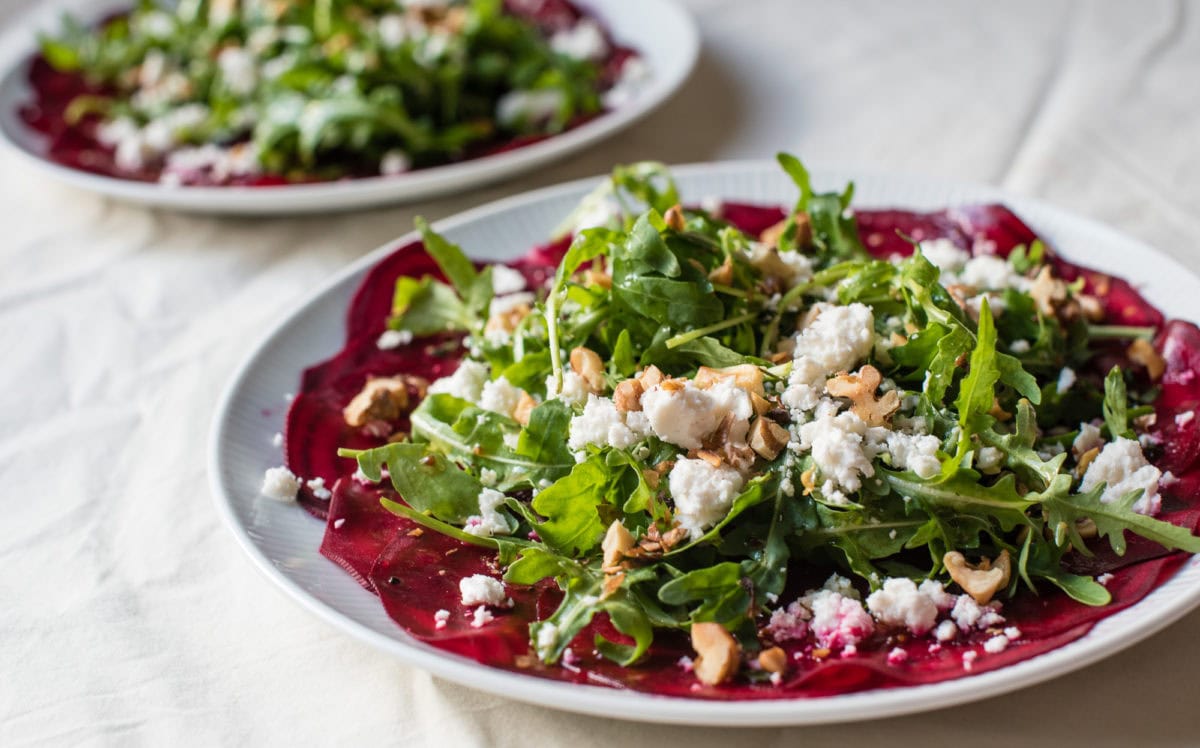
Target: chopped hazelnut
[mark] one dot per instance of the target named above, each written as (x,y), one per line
(773,660)
(627,396)
(767,438)
(617,542)
(1141,352)
(983,580)
(722,275)
(587,364)
(719,654)
(381,399)
(772,234)
(525,406)
(747,376)
(860,388)
(651,376)
(674,218)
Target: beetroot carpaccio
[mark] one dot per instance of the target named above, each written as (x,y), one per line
(417,571)
(215,94)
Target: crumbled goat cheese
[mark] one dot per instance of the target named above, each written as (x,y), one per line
(500,397)
(501,305)
(488,477)
(842,447)
(390,339)
(574,390)
(835,341)
(602,424)
(529,107)
(899,603)
(1184,418)
(337,523)
(1122,466)
(996,644)
(319,491)
(684,417)
(968,614)
(394,162)
(547,638)
(482,617)
(505,280)
(490,520)
(440,618)
(1066,380)
(989,458)
(789,623)
(281,484)
(583,41)
(1012,632)
(916,452)
(945,631)
(239,70)
(897,656)
(702,493)
(838,621)
(480,589)
(466,382)
(277,440)
(945,255)
(968,660)
(1019,346)
(395,29)
(991,273)
(1089,438)
(633,78)
(1104,579)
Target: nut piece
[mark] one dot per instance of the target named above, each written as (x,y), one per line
(627,395)
(718,652)
(983,580)
(587,364)
(651,376)
(773,660)
(772,234)
(382,399)
(767,438)
(1049,293)
(859,388)
(722,275)
(525,406)
(674,218)
(1141,352)
(617,542)
(1085,459)
(747,376)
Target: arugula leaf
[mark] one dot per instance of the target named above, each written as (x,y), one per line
(427,307)
(474,288)
(719,589)
(571,508)
(427,480)
(1063,511)
(1116,403)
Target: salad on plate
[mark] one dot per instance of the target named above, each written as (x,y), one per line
(734,451)
(245,92)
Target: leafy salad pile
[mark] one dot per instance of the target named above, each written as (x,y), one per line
(325,89)
(676,299)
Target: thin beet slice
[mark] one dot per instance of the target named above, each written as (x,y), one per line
(385,554)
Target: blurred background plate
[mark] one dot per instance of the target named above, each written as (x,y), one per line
(661,31)
(282,539)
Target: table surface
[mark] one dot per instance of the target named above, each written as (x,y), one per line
(130,615)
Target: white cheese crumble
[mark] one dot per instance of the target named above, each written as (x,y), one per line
(702,493)
(505,280)
(1123,467)
(390,339)
(529,107)
(916,452)
(989,459)
(499,396)
(317,486)
(547,638)
(394,162)
(238,69)
(466,382)
(898,602)
(481,617)
(583,41)
(945,631)
(968,660)
(1104,579)
(480,589)
(488,477)
(602,424)
(686,416)
(1066,380)
(838,621)
(490,520)
(280,483)
(574,390)
(945,255)
(842,447)
(835,341)
(634,78)
(1184,418)
(277,440)
(996,644)
(1019,346)
(968,614)
(440,618)
(1089,438)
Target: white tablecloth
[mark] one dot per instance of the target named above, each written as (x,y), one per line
(127,613)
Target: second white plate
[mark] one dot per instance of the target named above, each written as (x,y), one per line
(663,33)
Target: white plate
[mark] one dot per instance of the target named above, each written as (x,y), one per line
(660,30)
(283,539)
